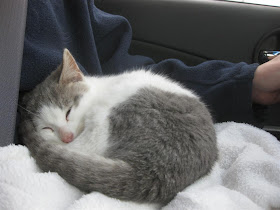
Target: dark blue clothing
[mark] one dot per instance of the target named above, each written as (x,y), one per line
(99,42)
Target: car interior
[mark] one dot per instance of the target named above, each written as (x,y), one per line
(214,30)
(12,24)
(192,31)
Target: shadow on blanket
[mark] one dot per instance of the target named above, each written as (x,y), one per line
(245,177)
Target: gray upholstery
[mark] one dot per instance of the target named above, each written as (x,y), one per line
(12,25)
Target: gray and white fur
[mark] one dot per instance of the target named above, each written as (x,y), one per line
(135,136)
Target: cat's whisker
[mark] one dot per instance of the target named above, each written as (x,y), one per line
(27,110)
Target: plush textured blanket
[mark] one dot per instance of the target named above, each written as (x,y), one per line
(247,176)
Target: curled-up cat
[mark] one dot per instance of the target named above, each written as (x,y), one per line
(135,136)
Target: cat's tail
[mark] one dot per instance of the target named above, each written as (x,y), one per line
(114,178)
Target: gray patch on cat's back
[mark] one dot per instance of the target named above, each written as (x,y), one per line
(168,139)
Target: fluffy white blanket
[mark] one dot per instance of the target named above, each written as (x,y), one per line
(247,176)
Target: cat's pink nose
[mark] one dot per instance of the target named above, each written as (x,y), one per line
(65,135)
(68,137)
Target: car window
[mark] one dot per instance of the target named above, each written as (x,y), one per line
(262,2)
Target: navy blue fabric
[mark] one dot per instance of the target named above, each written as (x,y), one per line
(100,42)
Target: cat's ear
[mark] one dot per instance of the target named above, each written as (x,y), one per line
(70,69)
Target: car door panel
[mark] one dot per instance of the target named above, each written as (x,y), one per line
(208,29)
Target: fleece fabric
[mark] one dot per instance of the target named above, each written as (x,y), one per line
(246,176)
(100,41)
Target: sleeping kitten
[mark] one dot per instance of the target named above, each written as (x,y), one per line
(135,136)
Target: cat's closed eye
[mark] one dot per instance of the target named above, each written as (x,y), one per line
(67,114)
(48,128)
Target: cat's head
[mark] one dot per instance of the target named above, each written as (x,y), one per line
(52,106)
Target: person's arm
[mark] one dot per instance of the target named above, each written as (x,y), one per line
(266,83)
(225,87)
(228,89)
(100,42)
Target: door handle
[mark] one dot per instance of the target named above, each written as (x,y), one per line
(267,55)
